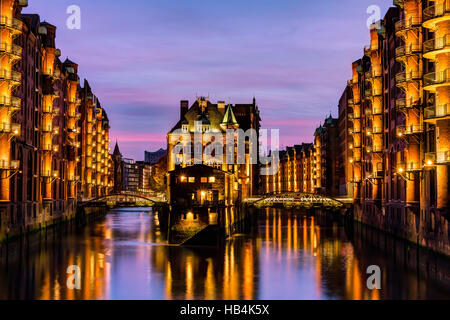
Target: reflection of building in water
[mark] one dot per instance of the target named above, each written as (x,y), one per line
(227,273)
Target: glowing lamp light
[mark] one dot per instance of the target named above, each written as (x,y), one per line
(400,170)
(429,162)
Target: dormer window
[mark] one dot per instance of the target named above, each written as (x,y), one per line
(206,128)
(185,128)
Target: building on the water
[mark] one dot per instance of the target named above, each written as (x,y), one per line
(215,119)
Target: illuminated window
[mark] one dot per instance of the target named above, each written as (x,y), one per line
(191,179)
(212,179)
(183,179)
(204,180)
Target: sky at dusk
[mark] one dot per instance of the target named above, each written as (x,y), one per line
(141,57)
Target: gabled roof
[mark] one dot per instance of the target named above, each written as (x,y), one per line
(229,118)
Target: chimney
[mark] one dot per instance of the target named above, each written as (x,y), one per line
(221,106)
(184,106)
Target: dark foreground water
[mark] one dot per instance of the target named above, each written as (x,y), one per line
(286,256)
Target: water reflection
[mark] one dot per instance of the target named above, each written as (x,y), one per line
(287,256)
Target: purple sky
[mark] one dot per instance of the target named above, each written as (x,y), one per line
(142,56)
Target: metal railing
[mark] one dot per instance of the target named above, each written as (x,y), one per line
(436,11)
(437,78)
(436,44)
(443,157)
(402,103)
(12,102)
(377,111)
(403,77)
(407,50)
(14,49)
(440,157)
(413,166)
(376,148)
(439,111)
(409,23)
(14,24)
(10,76)
(8,165)
(410,129)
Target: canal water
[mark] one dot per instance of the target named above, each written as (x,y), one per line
(285,255)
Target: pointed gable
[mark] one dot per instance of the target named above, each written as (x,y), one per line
(229,119)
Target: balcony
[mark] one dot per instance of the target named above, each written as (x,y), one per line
(409,130)
(443,157)
(75,101)
(408,166)
(75,115)
(11,128)
(376,148)
(50,173)
(372,93)
(440,112)
(355,159)
(374,130)
(435,14)
(14,51)
(13,103)
(372,74)
(435,80)
(433,47)
(47,129)
(14,25)
(13,77)
(403,78)
(407,24)
(405,51)
(9,165)
(48,147)
(437,158)
(402,104)
(377,111)
(378,171)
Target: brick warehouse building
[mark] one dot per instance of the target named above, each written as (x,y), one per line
(217,118)
(45,130)
(393,151)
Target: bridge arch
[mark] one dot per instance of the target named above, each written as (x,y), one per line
(296,200)
(117,197)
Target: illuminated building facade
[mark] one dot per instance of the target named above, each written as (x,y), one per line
(40,126)
(294,171)
(401,124)
(95,161)
(309,167)
(392,155)
(216,119)
(130,175)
